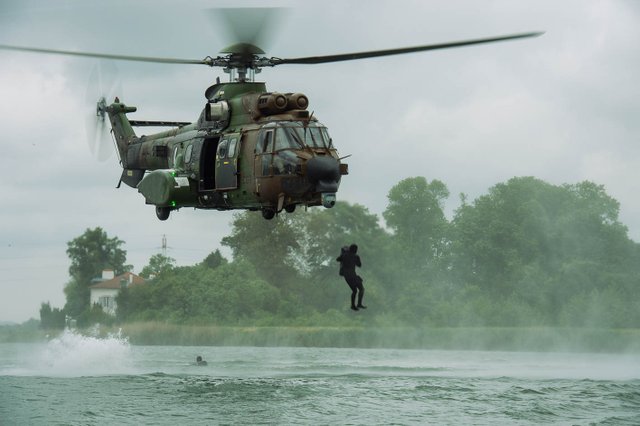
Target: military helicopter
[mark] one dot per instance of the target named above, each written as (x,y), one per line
(249,149)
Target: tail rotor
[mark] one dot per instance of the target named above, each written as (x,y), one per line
(104,85)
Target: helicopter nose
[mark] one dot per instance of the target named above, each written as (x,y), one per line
(324,173)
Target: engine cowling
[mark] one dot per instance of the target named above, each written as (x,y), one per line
(278,103)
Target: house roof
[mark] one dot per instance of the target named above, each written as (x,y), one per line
(114,283)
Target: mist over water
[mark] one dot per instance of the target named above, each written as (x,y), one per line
(87,380)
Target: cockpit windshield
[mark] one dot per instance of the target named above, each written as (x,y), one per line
(295,135)
(278,143)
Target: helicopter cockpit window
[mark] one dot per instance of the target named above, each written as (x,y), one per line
(265,144)
(326,137)
(264,147)
(312,135)
(285,162)
(285,158)
(284,140)
(268,142)
(222,149)
(317,137)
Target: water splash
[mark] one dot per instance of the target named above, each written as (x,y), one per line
(72,355)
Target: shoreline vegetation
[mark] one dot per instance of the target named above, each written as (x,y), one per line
(528,339)
(529,266)
(461,338)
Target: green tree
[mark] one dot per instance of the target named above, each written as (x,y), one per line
(590,229)
(198,294)
(214,260)
(546,249)
(51,319)
(420,229)
(158,264)
(272,247)
(90,254)
(501,232)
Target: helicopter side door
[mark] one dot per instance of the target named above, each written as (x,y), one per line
(227,162)
(207,164)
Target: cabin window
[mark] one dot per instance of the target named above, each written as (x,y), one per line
(175,156)
(233,143)
(222,149)
(187,154)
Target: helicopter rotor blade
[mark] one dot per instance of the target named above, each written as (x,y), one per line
(108,56)
(388,52)
(249,50)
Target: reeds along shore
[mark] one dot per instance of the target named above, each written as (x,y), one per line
(494,338)
(603,340)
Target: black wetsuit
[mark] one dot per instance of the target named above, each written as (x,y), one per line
(349,260)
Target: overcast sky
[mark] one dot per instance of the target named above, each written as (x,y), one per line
(563,107)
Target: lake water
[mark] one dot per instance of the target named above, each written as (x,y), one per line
(84,380)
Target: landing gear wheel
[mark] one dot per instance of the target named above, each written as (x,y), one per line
(163,212)
(268,213)
(290,208)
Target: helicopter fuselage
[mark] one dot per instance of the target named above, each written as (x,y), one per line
(249,149)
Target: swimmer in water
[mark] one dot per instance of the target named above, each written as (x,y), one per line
(200,361)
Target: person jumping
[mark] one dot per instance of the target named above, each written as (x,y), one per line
(349,259)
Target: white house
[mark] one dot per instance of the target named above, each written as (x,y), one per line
(105,289)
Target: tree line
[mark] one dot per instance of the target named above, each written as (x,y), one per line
(527,253)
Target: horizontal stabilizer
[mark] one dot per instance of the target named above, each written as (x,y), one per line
(131,177)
